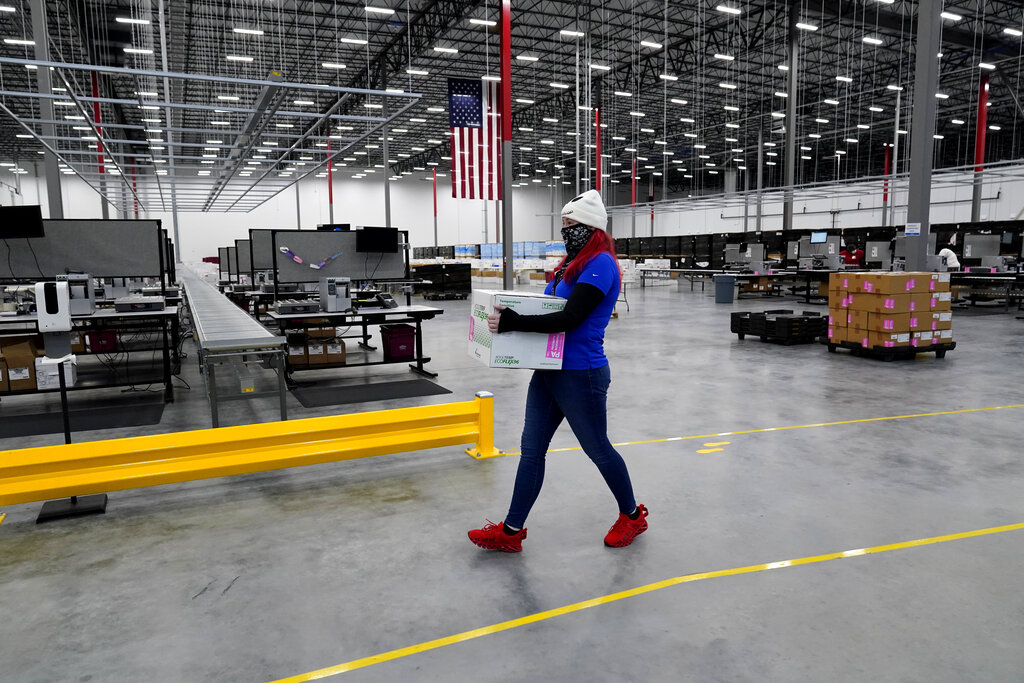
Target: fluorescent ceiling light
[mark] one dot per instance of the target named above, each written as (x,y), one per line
(816,136)
(622,93)
(137,51)
(894,88)
(728,10)
(63,104)
(730,107)
(832,102)
(435,109)
(783,67)
(571,34)
(647,130)
(227,98)
(5,8)
(676,100)
(560,86)
(986,65)
(778,115)
(600,67)
(806,27)
(18,41)
(863,126)
(637,114)
(418,120)
(523,100)
(483,22)
(875,109)
(844,79)
(651,44)
(1016,33)
(779,93)
(332,65)
(370,105)
(238,58)
(379,10)
(951,16)
(734,126)
(872,41)
(219,123)
(941,96)
(939,137)
(527,58)
(728,86)
(668,77)
(821,120)
(249,31)
(957,122)
(356,41)
(446,50)
(852,140)
(995,128)
(129,20)
(417,72)
(726,58)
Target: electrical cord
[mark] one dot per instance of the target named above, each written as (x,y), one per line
(34,258)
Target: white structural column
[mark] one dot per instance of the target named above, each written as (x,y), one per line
(922,143)
(42,51)
(791,108)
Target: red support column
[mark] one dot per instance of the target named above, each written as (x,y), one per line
(96,120)
(597,126)
(979,136)
(506,70)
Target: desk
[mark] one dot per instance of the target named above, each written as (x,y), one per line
(989,286)
(364,318)
(165,321)
(690,273)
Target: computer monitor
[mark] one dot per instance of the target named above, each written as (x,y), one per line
(819,237)
(980,246)
(377,240)
(21,221)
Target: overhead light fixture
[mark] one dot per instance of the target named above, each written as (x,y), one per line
(728,86)
(1016,33)
(356,41)
(5,8)
(831,101)
(238,58)
(676,100)
(227,98)
(951,16)
(523,100)
(435,109)
(939,137)
(731,125)
(863,126)
(217,123)
(379,10)
(527,58)
(894,88)
(248,31)
(417,72)
(957,122)
(872,41)
(651,44)
(559,86)
(851,140)
(778,115)
(483,22)
(417,120)
(995,128)
(779,93)
(875,109)
(600,67)
(728,10)
(986,65)
(724,58)
(332,65)
(816,136)
(806,27)
(637,114)
(730,107)
(129,20)
(623,93)
(571,33)
(668,77)
(941,96)
(137,51)
(844,79)
(783,67)
(18,41)
(821,120)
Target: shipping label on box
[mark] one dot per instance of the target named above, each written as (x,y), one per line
(939,282)
(532,350)
(872,338)
(923,338)
(317,353)
(336,352)
(941,301)
(945,336)
(880,303)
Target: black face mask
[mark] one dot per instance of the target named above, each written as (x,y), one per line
(575,238)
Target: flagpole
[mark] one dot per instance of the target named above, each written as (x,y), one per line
(506,140)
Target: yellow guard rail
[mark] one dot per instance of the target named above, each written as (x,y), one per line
(34,474)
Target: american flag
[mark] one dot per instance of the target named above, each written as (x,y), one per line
(475,124)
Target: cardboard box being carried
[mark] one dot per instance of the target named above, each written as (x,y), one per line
(532,350)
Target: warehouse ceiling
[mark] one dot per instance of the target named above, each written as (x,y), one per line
(235,101)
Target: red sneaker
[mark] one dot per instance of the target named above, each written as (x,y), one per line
(493,537)
(625,529)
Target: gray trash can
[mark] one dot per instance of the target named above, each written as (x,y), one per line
(724,286)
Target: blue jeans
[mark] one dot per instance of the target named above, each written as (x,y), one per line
(579,396)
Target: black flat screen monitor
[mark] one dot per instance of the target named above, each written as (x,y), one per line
(335,227)
(20,221)
(377,240)
(819,237)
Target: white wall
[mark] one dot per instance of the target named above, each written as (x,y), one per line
(359,202)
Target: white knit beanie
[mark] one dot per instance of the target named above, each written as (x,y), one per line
(587,209)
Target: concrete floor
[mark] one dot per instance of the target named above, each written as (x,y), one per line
(261,577)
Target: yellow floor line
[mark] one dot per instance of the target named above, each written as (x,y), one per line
(3,516)
(710,450)
(632,592)
(779,429)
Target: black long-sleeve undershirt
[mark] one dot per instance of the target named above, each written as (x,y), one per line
(583,301)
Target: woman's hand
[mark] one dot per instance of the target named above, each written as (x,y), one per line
(494,318)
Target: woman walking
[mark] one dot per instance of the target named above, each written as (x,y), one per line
(589,279)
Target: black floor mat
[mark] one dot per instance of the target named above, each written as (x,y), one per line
(82,419)
(320,395)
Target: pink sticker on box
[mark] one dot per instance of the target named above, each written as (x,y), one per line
(846,283)
(889,344)
(935,326)
(911,283)
(914,341)
(931,286)
(831,320)
(889,324)
(889,303)
(556,344)
(913,322)
(869,287)
(864,342)
(913,306)
(472,322)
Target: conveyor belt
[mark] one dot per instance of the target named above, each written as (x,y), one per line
(221,325)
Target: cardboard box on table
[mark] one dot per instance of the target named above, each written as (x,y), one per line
(531,350)
(20,360)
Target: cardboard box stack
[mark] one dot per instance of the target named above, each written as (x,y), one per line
(890,310)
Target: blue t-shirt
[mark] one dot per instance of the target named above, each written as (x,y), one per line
(584,346)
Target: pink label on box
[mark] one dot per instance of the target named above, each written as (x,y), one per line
(849,318)
(931,285)
(935,326)
(935,300)
(889,344)
(556,344)
(864,342)
(913,322)
(472,322)
(889,303)
(869,287)
(831,320)
(913,306)
(911,283)
(889,324)
(846,283)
